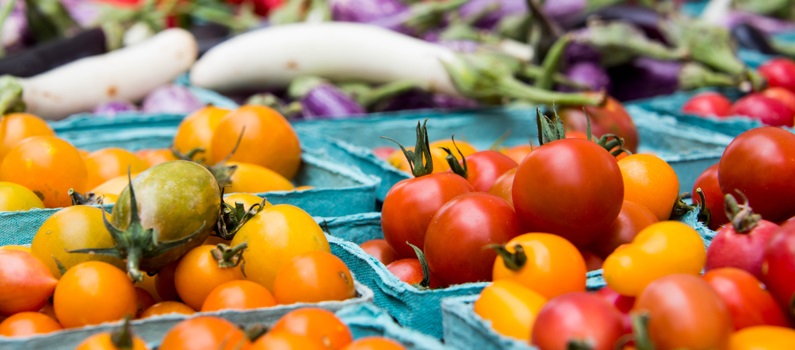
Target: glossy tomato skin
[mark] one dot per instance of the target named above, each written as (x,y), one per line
(685,313)
(313,277)
(196,130)
(762,338)
(167,307)
(15,127)
(778,265)
(410,205)
(108,163)
(767,110)
(569,187)
(761,163)
(15,197)
(611,118)
(744,250)
(781,94)
(779,72)
(708,104)
(484,167)
(470,222)
(285,341)
(503,186)
(577,317)
(200,265)
(632,219)
(380,249)
(317,324)
(238,295)
(748,301)
(204,332)
(374,343)
(708,182)
(25,281)
(28,323)
(510,307)
(93,292)
(252,178)
(410,271)
(622,303)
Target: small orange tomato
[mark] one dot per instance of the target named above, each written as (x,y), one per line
(16,127)
(108,163)
(25,282)
(113,186)
(167,307)
(156,156)
(48,166)
(268,140)
(122,338)
(28,323)
(313,277)
(518,153)
(200,264)
(762,338)
(315,323)
(546,263)
(204,332)
(196,130)
(466,148)
(374,343)
(285,341)
(143,300)
(650,182)
(438,157)
(510,307)
(93,292)
(238,295)
(252,178)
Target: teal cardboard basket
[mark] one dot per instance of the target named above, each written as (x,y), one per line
(463,329)
(412,307)
(689,150)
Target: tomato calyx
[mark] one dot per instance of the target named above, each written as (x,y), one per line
(122,338)
(611,142)
(84,199)
(550,129)
(741,216)
(455,166)
(222,172)
(578,344)
(426,270)
(681,208)
(229,257)
(419,159)
(255,331)
(513,261)
(232,218)
(136,242)
(640,329)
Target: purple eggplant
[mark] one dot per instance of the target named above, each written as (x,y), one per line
(364,11)
(587,73)
(15,28)
(563,11)
(112,108)
(767,25)
(645,18)
(414,20)
(171,99)
(647,77)
(85,13)
(491,12)
(326,101)
(750,37)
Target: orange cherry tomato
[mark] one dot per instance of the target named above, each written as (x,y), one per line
(252,178)
(143,300)
(313,277)
(25,282)
(650,182)
(518,153)
(269,140)
(196,130)
(93,292)
(238,295)
(374,343)
(28,323)
(762,338)
(16,127)
(285,341)
(199,264)
(548,264)
(510,307)
(48,166)
(466,148)
(154,157)
(109,163)
(204,332)
(110,341)
(167,307)
(113,186)
(315,323)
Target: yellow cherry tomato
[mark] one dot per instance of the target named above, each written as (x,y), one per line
(253,178)
(276,235)
(113,186)
(510,307)
(546,263)
(650,182)
(15,197)
(196,130)
(661,249)
(763,338)
(21,248)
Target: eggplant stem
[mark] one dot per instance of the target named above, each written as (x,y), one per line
(11,95)
(552,62)
(386,91)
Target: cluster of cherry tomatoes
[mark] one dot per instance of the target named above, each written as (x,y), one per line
(775,105)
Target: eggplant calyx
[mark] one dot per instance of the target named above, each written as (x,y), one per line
(513,261)
(455,166)
(425,15)
(426,271)
(232,218)
(383,92)
(420,159)
(579,344)
(11,95)
(695,76)
(741,216)
(122,338)
(229,257)
(303,85)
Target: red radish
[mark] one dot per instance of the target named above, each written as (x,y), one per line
(742,243)
(713,195)
(779,262)
(779,72)
(383,152)
(781,94)
(765,109)
(708,104)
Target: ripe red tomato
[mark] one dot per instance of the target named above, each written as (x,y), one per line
(485,167)
(632,219)
(685,313)
(767,110)
(459,232)
(410,271)
(503,186)
(778,265)
(410,205)
(611,118)
(781,94)
(580,318)
(569,187)
(380,249)
(708,104)
(779,72)
(748,301)
(761,164)
(713,195)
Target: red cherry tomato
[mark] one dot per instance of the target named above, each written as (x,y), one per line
(778,265)
(580,318)
(779,72)
(485,167)
(632,219)
(459,232)
(765,109)
(781,94)
(410,271)
(503,186)
(380,249)
(708,104)
(748,301)
(611,118)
